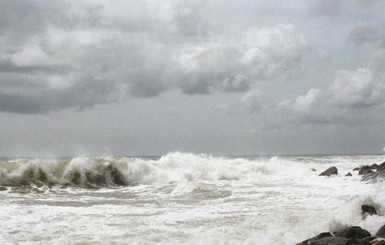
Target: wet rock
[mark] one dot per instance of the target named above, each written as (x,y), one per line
(339,241)
(329,171)
(353,235)
(3,188)
(316,238)
(348,174)
(356,169)
(368,210)
(368,239)
(352,232)
(380,174)
(381,232)
(377,241)
(365,170)
(374,166)
(381,166)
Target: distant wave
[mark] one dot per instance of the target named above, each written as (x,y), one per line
(124,171)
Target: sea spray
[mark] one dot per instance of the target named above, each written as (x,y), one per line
(109,171)
(183,198)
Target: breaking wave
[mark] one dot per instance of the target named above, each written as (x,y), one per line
(124,171)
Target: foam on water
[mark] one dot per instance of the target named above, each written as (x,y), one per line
(176,167)
(183,198)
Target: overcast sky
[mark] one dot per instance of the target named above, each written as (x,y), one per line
(216,76)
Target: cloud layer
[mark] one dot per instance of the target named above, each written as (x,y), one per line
(71,54)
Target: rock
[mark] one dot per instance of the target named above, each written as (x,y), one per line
(381,166)
(374,166)
(365,170)
(339,241)
(3,188)
(374,176)
(316,238)
(367,209)
(313,169)
(352,232)
(381,232)
(377,242)
(356,169)
(348,174)
(329,171)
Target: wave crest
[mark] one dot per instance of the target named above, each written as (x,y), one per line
(123,171)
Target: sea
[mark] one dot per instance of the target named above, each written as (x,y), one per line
(183,198)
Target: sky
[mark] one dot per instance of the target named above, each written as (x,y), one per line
(228,77)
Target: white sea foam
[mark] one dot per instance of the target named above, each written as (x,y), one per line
(183,198)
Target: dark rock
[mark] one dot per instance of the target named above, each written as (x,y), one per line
(356,169)
(374,166)
(3,188)
(352,232)
(368,239)
(367,209)
(329,171)
(348,174)
(365,170)
(316,238)
(381,232)
(381,166)
(380,174)
(313,169)
(377,241)
(339,241)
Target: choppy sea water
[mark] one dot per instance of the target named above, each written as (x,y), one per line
(182,198)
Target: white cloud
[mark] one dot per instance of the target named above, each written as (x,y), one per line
(255,56)
(304,103)
(350,92)
(57,82)
(272,51)
(356,89)
(30,56)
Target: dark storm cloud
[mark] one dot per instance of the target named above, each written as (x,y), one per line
(8,67)
(365,35)
(22,18)
(84,94)
(77,54)
(370,36)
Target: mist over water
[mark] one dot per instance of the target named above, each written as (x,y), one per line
(182,198)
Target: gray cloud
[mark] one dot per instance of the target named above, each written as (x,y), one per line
(37,100)
(336,8)
(325,7)
(258,55)
(252,100)
(369,36)
(347,100)
(70,54)
(353,96)
(254,77)
(366,35)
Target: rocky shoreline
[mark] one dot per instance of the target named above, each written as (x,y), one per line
(348,236)
(354,235)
